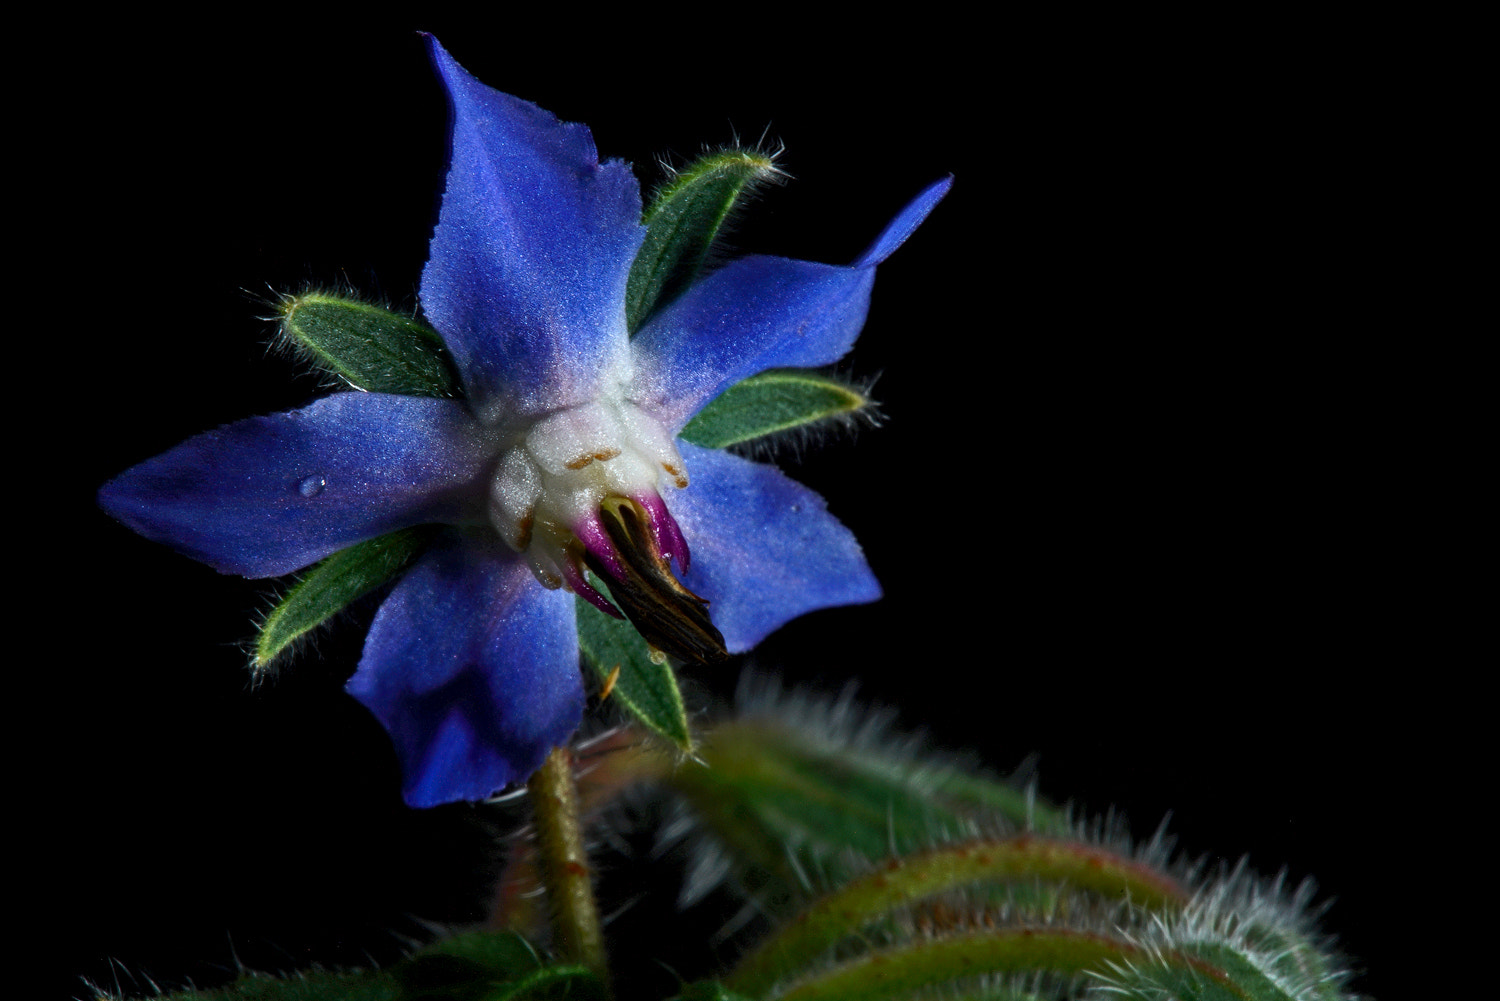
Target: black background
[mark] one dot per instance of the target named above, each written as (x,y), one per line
(1119,504)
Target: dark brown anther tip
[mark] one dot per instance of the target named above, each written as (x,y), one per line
(667,615)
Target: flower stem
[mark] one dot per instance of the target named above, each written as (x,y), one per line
(564,863)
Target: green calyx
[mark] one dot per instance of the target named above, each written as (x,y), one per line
(644,687)
(683,223)
(331,585)
(373,349)
(367,346)
(775,402)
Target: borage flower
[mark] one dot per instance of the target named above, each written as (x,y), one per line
(562,455)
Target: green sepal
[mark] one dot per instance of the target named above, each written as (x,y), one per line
(332,585)
(369,347)
(646,689)
(682,222)
(771,402)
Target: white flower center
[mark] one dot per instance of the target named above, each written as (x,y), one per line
(549,486)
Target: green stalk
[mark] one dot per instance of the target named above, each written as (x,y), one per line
(565,865)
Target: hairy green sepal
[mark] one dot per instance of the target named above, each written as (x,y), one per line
(771,402)
(647,690)
(330,586)
(368,347)
(372,349)
(683,221)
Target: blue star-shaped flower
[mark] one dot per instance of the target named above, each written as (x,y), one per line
(562,454)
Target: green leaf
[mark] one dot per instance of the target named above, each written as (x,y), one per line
(332,585)
(682,223)
(647,689)
(473,966)
(866,899)
(803,799)
(1295,958)
(899,971)
(501,954)
(491,966)
(709,990)
(992,991)
(369,347)
(316,985)
(555,983)
(1202,971)
(1245,979)
(778,400)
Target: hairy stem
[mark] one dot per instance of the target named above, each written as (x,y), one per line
(564,863)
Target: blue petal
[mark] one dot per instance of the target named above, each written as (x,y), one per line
(526,272)
(472,667)
(905,223)
(759,313)
(268,495)
(765,548)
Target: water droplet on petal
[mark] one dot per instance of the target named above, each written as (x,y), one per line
(311,486)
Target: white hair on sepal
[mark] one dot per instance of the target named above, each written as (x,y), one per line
(309,640)
(769,173)
(798,441)
(281,343)
(262,671)
(770,153)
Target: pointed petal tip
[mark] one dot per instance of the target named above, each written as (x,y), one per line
(528,266)
(905,223)
(450,71)
(268,495)
(436,51)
